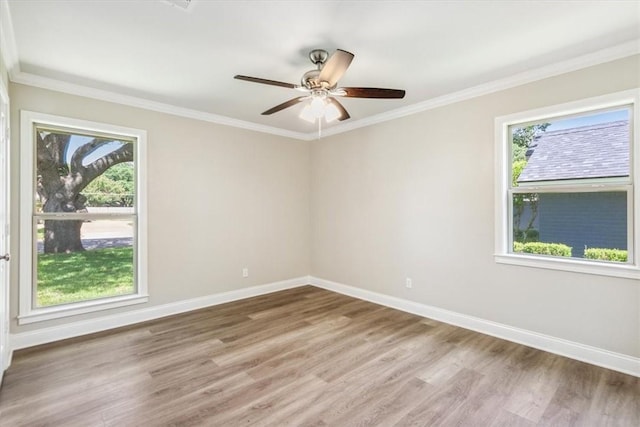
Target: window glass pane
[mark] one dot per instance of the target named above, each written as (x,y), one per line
(113,191)
(590,225)
(78,171)
(589,146)
(102,266)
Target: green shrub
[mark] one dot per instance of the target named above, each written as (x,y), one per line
(541,248)
(604,254)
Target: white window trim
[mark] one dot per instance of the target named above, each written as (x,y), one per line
(27,313)
(502,179)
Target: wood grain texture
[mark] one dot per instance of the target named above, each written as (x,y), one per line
(307,357)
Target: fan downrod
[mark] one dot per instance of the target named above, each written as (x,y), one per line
(310,78)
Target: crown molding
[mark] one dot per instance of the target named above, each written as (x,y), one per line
(599,57)
(8,48)
(9,52)
(10,56)
(133,101)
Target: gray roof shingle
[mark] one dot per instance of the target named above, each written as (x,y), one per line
(595,151)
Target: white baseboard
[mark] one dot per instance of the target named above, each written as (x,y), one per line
(83,327)
(585,353)
(7,363)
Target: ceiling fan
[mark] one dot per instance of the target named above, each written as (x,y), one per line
(320,86)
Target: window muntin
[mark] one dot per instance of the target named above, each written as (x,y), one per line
(83,239)
(588,186)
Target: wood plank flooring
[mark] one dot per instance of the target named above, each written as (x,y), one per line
(307,357)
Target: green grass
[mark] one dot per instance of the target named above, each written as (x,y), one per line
(79,276)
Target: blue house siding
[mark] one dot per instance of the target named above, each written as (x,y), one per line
(526,217)
(595,220)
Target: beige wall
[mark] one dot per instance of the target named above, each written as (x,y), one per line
(410,197)
(415,197)
(220,199)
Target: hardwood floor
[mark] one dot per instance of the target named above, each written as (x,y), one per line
(307,357)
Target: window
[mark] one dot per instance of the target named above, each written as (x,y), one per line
(566,190)
(83,239)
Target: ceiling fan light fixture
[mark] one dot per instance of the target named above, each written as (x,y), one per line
(318,106)
(331,113)
(307,114)
(316,109)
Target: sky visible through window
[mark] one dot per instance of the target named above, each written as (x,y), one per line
(78,140)
(592,119)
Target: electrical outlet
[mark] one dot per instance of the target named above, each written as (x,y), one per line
(408,283)
(245,272)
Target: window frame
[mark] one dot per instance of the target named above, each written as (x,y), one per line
(503,190)
(28,312)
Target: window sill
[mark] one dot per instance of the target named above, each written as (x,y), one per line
(66,310)
(572,265)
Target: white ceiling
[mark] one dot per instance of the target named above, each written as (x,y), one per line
(152,50)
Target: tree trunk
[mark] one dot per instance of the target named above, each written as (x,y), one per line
(62,236)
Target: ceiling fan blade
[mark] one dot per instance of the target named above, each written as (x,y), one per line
(335,67)
(343,112)
(372,92)
(266,81)
(284,105)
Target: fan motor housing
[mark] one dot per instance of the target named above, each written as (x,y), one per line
(310,79)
